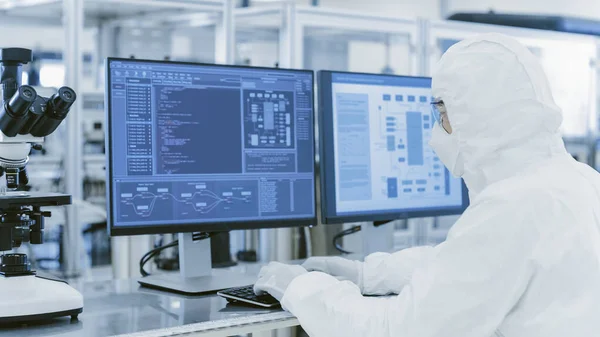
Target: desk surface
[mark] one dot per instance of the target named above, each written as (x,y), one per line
(123,307)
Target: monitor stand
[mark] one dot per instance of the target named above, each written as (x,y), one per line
(377,237)
(196,276)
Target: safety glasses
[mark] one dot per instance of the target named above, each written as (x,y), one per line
(438,110)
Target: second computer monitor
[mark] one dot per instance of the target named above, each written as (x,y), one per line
(375,160)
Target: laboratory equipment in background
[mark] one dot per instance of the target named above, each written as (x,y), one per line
(93,123)
(207,148)
(376,164)
(25,119)
(544,22)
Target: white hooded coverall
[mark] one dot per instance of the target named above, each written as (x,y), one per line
(524,258)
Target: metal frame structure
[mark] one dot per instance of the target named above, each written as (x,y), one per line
(291,22)
(73,13)
(107,16)
(311,17)
(284,22)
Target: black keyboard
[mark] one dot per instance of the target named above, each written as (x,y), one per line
(246,295)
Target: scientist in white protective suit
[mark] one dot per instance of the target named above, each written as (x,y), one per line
(524,258)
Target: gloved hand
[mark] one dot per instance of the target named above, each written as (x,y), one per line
(276,277)
(338,267)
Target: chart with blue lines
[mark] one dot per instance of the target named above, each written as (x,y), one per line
(197,144)
(189,200)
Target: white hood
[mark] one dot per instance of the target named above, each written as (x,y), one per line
(522,260)
(500,106)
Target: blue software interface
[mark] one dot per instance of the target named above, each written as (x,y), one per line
(383,163)
(204,143)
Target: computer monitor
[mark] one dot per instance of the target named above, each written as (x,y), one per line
(202,147)
(375,161)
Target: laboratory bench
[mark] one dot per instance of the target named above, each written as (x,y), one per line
(122,307)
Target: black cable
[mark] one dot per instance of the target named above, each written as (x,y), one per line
(149,255)
(154,252)
(338,236)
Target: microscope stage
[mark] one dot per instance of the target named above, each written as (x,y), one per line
(16,199)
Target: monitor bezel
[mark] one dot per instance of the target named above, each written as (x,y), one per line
(327,166)
(195,227)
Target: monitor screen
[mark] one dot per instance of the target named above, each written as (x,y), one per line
(375,160)
(194,147)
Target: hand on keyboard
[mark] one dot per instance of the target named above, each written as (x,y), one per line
(246,295)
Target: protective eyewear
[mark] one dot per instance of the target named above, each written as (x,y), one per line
(438,110)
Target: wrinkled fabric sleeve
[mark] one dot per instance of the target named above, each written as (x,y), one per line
(384,273)
(473,281)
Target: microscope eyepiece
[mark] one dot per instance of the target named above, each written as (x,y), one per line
(14,113)
(64,98)
(27,92)
(62,101)
(22,100)
(56,111)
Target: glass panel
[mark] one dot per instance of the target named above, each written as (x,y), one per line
(571,80)
(193,44)
(357,51)
(257,46)
(144,43)
(360,51)
(52,74)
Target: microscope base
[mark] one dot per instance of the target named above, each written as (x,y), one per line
(33,298)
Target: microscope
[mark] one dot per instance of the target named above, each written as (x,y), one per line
(25,119)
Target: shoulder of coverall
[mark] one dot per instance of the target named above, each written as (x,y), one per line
(518,201)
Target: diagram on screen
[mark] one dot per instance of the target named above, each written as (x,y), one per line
(383,160)
(268,119)
(404,125)
(188,200)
